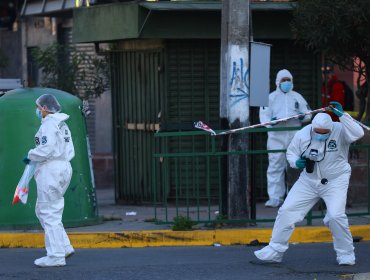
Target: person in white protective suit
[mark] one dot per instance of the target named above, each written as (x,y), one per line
(322,149)
(283,103)
(53,153)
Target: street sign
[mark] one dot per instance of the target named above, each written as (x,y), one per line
(259,74)
(8,84)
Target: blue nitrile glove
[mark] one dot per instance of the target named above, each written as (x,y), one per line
(337,106)
(272,119)
(301,163)
(26,160)
(301,117)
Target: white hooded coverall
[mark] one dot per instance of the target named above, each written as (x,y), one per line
(53,152)
(281,105)
(332,165)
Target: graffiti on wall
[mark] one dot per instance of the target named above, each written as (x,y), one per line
(239,84)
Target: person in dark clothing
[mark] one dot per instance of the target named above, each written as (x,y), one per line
(334,91)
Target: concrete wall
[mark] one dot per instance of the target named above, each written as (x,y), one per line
(40,32)
(103,156)
(11,45)
(37,32)
(358,185)
(103,123)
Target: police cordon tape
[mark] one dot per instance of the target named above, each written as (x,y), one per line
(201,125)
(356,121)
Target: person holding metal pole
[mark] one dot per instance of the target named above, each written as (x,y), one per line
(321,150)
(283,103)
(53,152)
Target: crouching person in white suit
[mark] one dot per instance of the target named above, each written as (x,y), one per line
(53,153)
(322,150)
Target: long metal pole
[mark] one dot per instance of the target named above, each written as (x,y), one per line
(270,122)
(203,126)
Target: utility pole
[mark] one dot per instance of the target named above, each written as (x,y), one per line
(234,102)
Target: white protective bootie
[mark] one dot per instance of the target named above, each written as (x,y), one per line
(50,261)
(268,254)
(273,203)
(69,251)
(346,259)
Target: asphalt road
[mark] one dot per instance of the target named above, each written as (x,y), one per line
(302,261)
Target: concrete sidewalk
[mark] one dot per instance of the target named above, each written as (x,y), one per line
(120,218)
(128,226)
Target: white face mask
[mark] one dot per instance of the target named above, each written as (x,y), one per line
(321,137)
(286,86)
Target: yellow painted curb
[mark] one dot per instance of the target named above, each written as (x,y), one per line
(175,238)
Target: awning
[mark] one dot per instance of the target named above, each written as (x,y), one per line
(182,6)
(173,19)
(214,6)
(46,7)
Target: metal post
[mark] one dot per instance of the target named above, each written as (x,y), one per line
(234,101)
(24,52)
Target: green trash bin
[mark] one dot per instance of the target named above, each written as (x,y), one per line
(18,126)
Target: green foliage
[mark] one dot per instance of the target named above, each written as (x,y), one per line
(338,28)
(3,59)
(219,222)
(76,72)
(182,223)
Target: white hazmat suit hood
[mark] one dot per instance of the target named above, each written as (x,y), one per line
(283,74)
(322,120)
(61,117)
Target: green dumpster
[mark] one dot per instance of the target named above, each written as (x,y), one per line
(18,125)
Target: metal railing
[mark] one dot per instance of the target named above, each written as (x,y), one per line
(188,179)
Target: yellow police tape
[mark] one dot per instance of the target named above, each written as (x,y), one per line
(134,239)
